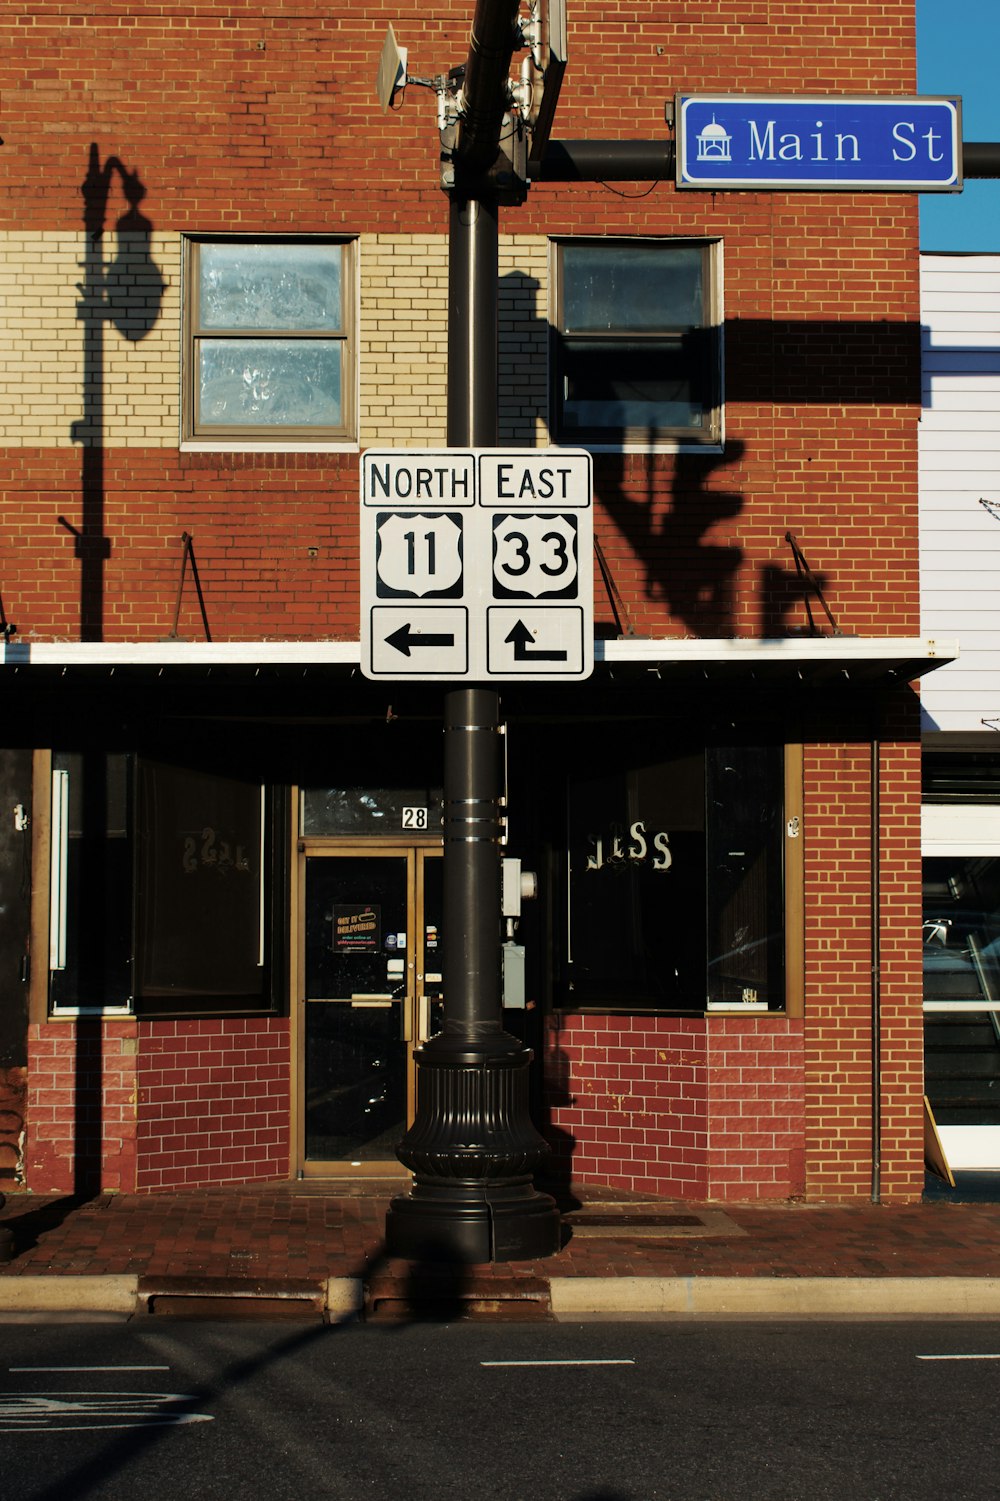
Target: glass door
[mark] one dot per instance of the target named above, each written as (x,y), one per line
(372,991)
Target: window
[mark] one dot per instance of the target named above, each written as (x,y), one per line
(362,811)
(167,888)
(636,343)
(676,881)
(744,890)
(270,340)
(90,903)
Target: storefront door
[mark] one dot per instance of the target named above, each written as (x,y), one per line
(371,972)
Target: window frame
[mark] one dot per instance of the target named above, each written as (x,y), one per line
(780,993)
(616,438)
(273,935)
(276,436)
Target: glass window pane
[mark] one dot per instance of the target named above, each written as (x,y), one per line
(962,929)
(371,810)
(745,898)
(270,286)
(637,881)
(620,287)
(644,387)
(270,382)
(200,877)
(98,968)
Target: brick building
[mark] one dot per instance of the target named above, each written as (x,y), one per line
(225,276)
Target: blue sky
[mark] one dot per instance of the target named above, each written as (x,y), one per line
(958,52)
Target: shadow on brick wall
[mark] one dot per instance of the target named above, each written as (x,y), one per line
(126,292)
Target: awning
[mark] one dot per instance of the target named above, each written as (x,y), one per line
(805,659)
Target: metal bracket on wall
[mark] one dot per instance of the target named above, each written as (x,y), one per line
(811,582)
(618,607)
(187,544)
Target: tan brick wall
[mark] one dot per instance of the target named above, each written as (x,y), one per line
(68,372)
(403,340)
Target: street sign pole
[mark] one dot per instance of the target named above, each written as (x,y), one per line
(472,1148)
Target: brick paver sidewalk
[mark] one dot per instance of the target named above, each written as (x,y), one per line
(293,1231)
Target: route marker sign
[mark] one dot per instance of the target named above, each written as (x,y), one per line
(477,564)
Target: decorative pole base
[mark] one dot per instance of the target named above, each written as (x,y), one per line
(472,1150)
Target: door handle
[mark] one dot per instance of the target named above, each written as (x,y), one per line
(423,1018)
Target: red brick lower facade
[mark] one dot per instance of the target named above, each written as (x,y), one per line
(156,1105)
(687,1107)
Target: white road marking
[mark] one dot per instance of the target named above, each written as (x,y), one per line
(74,1412)
(49,1369)
(554,1362)
(958,1357)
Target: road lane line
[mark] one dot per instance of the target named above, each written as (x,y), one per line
(554,1362)
(50,1368)
(958,1357)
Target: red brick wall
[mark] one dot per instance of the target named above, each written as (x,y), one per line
(13,1095)
(173,1104)
(240,121)
(687,1107)
(839,997)
(756,1107)
(214,1104)
(81,1105)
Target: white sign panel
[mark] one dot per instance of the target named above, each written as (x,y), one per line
(477,564)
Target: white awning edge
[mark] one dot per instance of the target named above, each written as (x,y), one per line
(912,655)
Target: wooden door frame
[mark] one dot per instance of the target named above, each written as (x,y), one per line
(414,851)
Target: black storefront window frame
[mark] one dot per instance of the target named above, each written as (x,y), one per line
(121,994)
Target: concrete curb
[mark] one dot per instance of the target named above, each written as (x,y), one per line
(692,1297)
(84,1294)
(811,1296)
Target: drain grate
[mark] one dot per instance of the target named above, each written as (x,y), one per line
(648,1222)
(633,1219)
(449,1295)
(230,1297)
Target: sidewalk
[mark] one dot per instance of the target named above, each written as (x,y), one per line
(319,1247)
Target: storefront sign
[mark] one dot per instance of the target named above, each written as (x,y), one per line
(636,847)
(819,142)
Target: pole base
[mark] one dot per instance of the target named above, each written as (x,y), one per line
(472,1222)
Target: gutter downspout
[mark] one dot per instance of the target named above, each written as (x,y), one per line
(876,975)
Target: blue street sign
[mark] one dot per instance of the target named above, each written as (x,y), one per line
(819,142)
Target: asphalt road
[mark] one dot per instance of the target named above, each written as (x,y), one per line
(552,1412)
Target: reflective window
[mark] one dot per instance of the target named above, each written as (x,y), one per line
(370,811)
(636,354)
(676,882)
(167,888)
(90,933)
(744,887)
(270,339)
(961,931)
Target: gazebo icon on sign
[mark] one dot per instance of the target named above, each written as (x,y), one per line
(714,143)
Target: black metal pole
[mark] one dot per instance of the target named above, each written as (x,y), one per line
(472,1148)
(473,271)
(653,161)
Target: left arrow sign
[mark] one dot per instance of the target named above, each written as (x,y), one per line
(406,637)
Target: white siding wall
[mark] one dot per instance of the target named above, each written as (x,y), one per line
(959,450)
